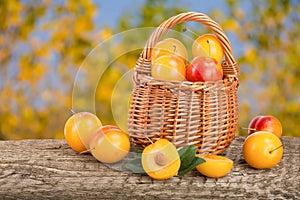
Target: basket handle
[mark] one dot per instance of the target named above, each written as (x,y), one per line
(230,67)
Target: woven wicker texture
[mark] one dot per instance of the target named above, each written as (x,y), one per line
(204,114)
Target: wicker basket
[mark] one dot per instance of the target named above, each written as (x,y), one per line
(204,114)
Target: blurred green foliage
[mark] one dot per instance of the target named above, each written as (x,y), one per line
(43,44)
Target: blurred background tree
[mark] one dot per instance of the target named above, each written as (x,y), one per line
(43,44)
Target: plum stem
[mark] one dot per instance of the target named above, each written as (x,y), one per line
(189,30)
(148,139)
(207,41)
(276,148)
(174,51)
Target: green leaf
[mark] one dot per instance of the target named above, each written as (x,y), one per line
(135,168)
(195,162)
(187,154)
(188,159)
(135,165)
(184,149)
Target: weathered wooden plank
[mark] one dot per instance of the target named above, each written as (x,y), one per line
(49,169)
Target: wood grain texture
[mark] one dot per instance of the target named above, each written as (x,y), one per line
(50,169)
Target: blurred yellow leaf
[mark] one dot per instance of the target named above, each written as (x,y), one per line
(15,9)
(12,120)
(82,24)
(59,135)
(105,33)
(231,25)
(251,55)
(28,114)
(31,72)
